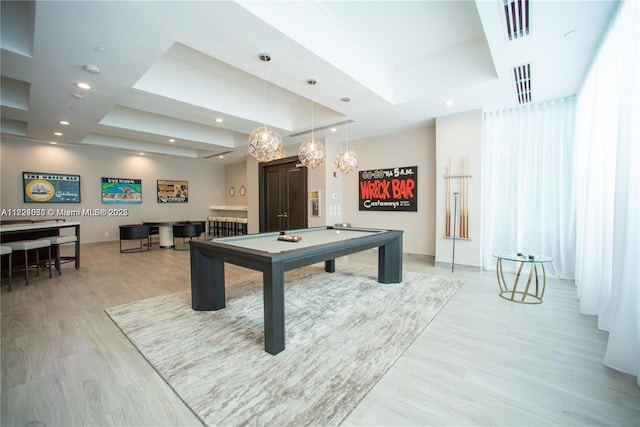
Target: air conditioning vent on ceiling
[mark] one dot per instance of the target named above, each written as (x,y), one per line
(516,15)
(522,79)
(217,154)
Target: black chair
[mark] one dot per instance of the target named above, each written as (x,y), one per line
(154,231)
(186,230)
(202,226)
(138,232)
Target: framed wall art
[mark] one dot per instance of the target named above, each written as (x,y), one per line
(393,189)
(170,191)
(41,187)
(314,203)
(121,190)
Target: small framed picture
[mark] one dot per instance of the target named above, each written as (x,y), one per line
(314,203)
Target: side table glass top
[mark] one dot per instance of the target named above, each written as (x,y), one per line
(513,256)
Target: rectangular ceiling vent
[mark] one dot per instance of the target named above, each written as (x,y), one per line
(217,154)
(318,129)
(516,15)
(522,79)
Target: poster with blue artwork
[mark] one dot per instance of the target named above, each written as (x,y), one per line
(121,190)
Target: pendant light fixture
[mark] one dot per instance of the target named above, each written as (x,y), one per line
(346,160)
(312,153)
(265,144)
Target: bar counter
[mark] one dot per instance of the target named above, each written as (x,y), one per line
(11,231)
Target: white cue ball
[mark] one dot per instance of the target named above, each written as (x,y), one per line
(337,231)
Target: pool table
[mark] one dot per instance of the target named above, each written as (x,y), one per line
(264,252)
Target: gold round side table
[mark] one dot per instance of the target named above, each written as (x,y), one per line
(527,295)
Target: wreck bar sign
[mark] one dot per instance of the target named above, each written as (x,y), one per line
(393,189)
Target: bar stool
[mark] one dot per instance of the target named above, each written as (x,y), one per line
(211,221)
(241,226)
(7,250)
(56,242)
(219,224)
(230,226)
(26,246)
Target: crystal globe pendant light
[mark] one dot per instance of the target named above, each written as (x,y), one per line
(346,160)
(265,144)
(312,153)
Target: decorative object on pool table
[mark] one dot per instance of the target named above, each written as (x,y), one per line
(290,238)
(39,187)
(173,191)
(457,184)
(394,189)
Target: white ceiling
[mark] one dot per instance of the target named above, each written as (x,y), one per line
(169,68)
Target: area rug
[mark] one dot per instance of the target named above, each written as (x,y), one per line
(343,332)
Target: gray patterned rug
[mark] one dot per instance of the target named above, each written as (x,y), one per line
(343,331)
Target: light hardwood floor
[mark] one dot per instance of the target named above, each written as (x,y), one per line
(482,361)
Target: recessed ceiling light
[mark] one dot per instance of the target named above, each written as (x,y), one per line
(64,122)
(83,85)
(448,102)
(219,120)
(58,133)
(142,154)
(333,129)
(221,157)
(93,69)
(172,140)
(53,143)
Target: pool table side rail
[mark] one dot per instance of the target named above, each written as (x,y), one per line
(295,258)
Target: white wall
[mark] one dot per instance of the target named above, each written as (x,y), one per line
(414,147)
(459,137)
(236,177)
(206,184)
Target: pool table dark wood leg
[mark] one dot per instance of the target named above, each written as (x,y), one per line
(273,277)
(207,282)
(330,266)
(390,262)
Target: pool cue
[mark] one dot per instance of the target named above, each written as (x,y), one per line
(463,192)
(447,219)
(455,206)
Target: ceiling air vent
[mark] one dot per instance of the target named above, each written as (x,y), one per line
(516,15)
(522,79)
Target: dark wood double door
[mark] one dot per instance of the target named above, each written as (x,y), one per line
(283,190)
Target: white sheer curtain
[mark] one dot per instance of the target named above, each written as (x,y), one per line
(528,202)
(608,190)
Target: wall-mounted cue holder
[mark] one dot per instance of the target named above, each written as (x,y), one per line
(456,224)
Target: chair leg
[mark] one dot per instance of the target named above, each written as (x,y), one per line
(26,268)
(49,261)
(10,274)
